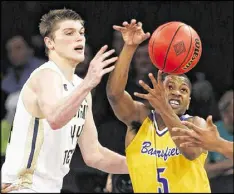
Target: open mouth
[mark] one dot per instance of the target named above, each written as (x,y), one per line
(79,48)
(174,103)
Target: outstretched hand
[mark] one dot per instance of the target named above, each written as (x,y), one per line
(99,66)
(207,138)
(132,33)
(156,96)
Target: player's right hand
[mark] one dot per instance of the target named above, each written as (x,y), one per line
(97,66)
(132,33)
(8,187)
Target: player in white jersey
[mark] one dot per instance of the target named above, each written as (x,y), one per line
(54,112)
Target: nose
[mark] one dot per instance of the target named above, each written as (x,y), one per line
(176,92)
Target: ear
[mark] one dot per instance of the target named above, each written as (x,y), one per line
(49,43)
(188,103)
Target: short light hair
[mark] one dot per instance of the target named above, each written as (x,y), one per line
(49,21)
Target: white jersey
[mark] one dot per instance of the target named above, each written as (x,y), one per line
(38,157)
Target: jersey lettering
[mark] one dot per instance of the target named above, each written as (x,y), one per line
(67,156)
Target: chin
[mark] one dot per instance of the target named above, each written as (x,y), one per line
(178,112)
(78,59)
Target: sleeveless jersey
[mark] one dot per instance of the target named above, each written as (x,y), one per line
(156,165)
(38,157)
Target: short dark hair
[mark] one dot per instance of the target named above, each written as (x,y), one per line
(164,75)
(50,20)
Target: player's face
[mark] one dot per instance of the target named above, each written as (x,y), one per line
(69,40)
(178,92)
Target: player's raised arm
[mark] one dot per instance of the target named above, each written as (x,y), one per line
(125,108)
(48,87)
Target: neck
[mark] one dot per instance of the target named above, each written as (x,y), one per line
(66,66)
(160,122)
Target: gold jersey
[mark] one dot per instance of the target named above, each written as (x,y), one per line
(156,165)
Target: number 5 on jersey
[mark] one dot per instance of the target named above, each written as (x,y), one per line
(163,188)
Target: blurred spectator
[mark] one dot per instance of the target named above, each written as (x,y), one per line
(10,104)
(4,66)
(203,101)
(23,62)
(6,123)
(38,46)
(220,169)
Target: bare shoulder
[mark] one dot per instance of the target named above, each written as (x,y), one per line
(39,79)
(134,126)
(143,110)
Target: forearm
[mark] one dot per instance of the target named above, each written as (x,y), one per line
(172,120)
(67,108)
(110,162)
(226,148)
(118,78)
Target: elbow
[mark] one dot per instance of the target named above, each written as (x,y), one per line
(190,156)
(112,94)
(91,161)
(113,97)
(54,124)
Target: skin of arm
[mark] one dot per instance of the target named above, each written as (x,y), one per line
(206,137)
(94,154)
(172,120)
(124,107)
(56,109)
(48,87)
(225,147)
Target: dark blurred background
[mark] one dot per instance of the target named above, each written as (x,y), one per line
(211,78)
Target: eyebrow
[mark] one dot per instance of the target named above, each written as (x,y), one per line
(172,82)
(82,28)
(185,85)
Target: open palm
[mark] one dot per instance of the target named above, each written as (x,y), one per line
(132,33)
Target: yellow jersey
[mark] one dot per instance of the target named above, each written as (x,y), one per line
(156,165)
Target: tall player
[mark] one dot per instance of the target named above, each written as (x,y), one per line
(156,163)
(54,112)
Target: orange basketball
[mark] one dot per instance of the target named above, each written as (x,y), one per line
(175,48)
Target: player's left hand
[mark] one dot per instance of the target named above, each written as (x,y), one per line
(157,96)
(207,138)
(132,33)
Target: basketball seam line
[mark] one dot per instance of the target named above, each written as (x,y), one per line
(165,59)
(152,47)
(187,53)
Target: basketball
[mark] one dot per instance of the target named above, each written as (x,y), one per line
(175,48)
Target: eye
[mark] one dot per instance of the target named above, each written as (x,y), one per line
(184,90)
(170,87)
(82,33)
(69,33)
